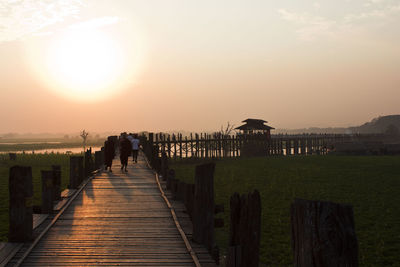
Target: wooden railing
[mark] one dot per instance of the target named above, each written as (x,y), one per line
(222,146)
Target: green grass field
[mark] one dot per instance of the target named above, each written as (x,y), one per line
(370,183)
(38,162)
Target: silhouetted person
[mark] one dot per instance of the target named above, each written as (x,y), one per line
(125,148)
(109,153)
(135,146)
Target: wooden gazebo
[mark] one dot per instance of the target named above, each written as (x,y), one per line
(255,126)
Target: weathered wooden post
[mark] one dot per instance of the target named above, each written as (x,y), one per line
(302,146)
(76,171)
(203,211)
(47,191)
(20,204)
(164,166)
(56,181)
(296,146)
(98,160)
(245,230)
(288,147)
(88,162)
(323,234)
(102,157)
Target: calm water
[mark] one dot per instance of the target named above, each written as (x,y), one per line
(73,150)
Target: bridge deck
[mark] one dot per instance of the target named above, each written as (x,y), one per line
(118,219)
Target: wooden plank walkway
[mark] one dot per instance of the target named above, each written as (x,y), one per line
(118,219)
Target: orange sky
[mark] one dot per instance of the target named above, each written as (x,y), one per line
(196,65)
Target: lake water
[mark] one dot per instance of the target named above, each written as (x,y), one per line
(73,150)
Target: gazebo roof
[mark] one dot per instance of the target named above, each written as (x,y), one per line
(254,124)
(254,121)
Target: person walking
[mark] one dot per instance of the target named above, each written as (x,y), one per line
(109,152)
(135,147)
(125,151)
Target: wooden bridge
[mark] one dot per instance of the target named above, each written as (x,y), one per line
(120,219)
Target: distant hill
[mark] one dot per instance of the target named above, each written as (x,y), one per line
(384,124)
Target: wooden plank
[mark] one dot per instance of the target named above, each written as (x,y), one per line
(7,251)
(118,219)
(60,204)
(38,219)
(68,192)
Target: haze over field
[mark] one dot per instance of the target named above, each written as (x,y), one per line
(163,65)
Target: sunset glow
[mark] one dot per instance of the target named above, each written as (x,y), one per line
(85,64)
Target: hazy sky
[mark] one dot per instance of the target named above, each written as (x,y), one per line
(194,65)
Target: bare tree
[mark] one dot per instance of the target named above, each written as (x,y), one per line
(225,131)
(84,136)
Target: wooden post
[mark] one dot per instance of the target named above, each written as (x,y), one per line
(88,162)
(169,146)
(296,146)
(186,146)
(76,171)
(20,204)
(180,145)
(323,234)
(56,181)
(288,147)
(302,146)
(97,160)
(164,166)
(203,211)
(174,140)
(47,191)
(245,230)
(102,156)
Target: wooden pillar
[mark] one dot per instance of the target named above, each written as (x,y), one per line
(169,146)
(98,163)
(56,181)
(186,146)
(203,210)
(76,171)
(20,204)
(296,146)
(288,147)
(245,230)
(206,145)
(164,165)
(180,146)
(174,140)
(323,234)
(303,146)
(88,162)
(47,192)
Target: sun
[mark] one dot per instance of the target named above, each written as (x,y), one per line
(85,64)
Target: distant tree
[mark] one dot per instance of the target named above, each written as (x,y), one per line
(228,130)
(84,136)
(392,130)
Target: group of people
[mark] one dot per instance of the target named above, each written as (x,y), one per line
(128,145)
